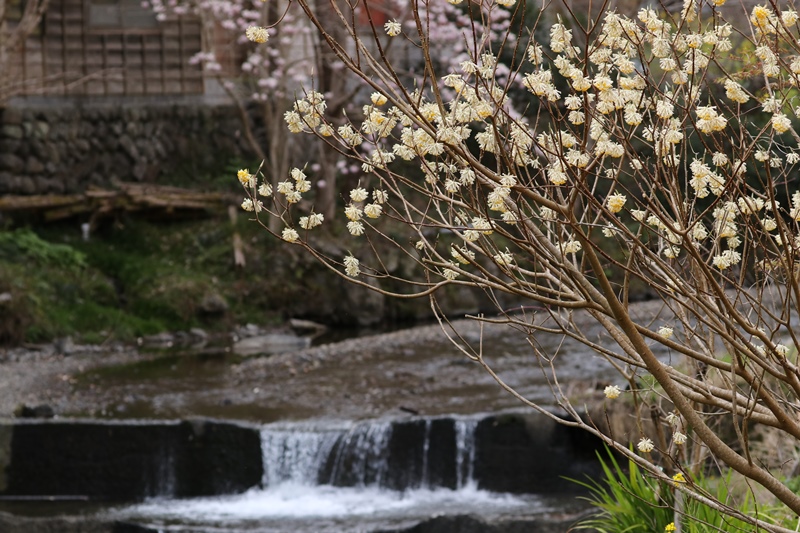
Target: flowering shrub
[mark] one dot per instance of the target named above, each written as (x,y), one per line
(658,146)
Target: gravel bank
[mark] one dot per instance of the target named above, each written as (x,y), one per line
(43,374)
(415,370)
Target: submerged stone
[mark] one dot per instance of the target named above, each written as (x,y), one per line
(271,344)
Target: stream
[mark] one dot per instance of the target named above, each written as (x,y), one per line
(348,477)
(374,434)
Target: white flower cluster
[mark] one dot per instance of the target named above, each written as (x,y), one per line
(308,114)
(620,111)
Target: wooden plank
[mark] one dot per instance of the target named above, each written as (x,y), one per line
(155,87)
(191,22)
(53,43)
(134,60)
(171,30)
(114,87)
(113,44)
(177,66)
(172,54)
(152,43)
(25,203)
(33,68)
(94,64)
(75,68)
(153,61)
(193,87)
(93,39)
(192,39)
(134,89)
(114,61)
(71,24)
(73,45)
(54,67)
(173,86)
(95,89)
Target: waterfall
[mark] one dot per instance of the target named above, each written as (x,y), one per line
(294,455)
(361,457)
(326,477)
(465,452)
(399,455)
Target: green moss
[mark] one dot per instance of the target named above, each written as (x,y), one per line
(137,277)
(24,245)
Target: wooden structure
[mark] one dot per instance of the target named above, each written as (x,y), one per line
(110,47)
(127,197)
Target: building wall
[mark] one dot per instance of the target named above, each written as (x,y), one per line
(64,145)
(109,47)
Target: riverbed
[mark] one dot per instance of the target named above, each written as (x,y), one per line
(415,370)
(410,374)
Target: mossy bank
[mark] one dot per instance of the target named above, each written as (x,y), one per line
(133,277)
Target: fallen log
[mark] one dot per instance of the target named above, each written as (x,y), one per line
(127,197)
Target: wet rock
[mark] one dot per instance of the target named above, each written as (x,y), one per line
(127,527)
(37,411)
(474,524)
(12,131)
(458,301)
(213,304)
(182,338)
(248,330)
(128,461)
(12,163)
(271,343)
(10,523)
(198,336)
(64,345)
(139,171)
(12,115)
(25,185)
(159,340)
(41,129)
(5,182)
(129,147)
(541,450)
(361,306)
(307,327)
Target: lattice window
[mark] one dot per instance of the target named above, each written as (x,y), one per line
(119,14)
(111,47)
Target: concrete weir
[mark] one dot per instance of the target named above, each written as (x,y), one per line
(128,462)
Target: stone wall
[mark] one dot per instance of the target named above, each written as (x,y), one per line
(64,145)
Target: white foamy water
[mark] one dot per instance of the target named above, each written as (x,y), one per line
(332,478)
(325,509)
(295,501)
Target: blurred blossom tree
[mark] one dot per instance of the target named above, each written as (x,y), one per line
(656,150)
(18,20)
(266,81)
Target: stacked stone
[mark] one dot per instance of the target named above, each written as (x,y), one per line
(64,146)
